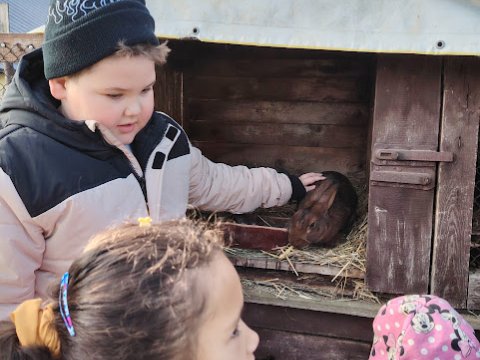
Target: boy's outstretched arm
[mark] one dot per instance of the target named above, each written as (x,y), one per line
(238,189)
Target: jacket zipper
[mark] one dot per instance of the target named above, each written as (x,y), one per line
(141,179)
(143,186)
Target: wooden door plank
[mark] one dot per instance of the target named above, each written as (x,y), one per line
(314,135)
(279,112)
(456,180)
(310,322)
(269,263)
(406,115)
(473,302)
(4,18)
(285,345)
(295,159)
(169,93)
(279,66)
(327,88)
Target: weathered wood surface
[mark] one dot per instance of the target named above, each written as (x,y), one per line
(327,89)
(406,115)
(456,180)
(259,294)
(269,262)
(293,333)
(294,110)
(311,286)
(4,18)
(296,159)
(278,63)
(254,236)
(474,290)
(313,135)
(309,322)
(168,93)
(285,345)
(281,112)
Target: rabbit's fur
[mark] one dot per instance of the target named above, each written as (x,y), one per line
(325,213)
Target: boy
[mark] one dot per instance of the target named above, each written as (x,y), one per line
(81,148)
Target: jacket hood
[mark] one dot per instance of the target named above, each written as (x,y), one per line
(28,103)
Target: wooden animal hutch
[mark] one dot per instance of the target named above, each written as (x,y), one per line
(376,90)
(406,125)
(389,100)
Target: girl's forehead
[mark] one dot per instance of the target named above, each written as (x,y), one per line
(223,288)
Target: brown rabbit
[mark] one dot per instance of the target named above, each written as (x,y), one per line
(324,213)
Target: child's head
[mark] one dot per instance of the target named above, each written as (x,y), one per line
(99,58)
(422,327)
(163,291)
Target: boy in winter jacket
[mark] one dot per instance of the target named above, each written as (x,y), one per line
(81,148)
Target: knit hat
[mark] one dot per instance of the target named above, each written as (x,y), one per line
(80,33)
(422,327)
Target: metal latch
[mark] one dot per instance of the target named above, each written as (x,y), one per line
(414,178)
(413,155)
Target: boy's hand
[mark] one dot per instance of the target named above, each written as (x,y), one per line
(308,179)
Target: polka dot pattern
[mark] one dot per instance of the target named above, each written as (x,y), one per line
(422,327)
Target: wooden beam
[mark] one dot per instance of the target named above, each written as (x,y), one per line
(295,159)
(292,346)
(4,18)
(268,262)
(456,180)
(258,294)
(309,322)
(474,291)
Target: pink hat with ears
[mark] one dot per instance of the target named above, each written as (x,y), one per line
(422,327)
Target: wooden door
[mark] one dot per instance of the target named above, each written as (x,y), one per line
(401,191)
(424,147)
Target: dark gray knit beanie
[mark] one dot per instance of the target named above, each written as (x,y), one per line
(80,33)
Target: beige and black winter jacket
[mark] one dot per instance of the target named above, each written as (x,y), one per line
(62,181)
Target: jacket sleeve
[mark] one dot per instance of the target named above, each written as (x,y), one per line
(238,189)
(21,249)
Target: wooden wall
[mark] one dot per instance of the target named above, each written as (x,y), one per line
(298,334)
(293,110)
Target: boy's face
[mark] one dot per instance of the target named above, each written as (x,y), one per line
(223,335)
(116,92)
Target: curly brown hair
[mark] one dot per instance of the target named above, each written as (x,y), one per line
(135,293)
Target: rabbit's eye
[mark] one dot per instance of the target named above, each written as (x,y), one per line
(311,226)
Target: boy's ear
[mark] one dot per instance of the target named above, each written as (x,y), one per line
(57,87)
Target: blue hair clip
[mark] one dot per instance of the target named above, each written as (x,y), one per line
(63,304)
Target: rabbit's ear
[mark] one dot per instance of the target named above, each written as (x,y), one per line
(329,196)
(315,196)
